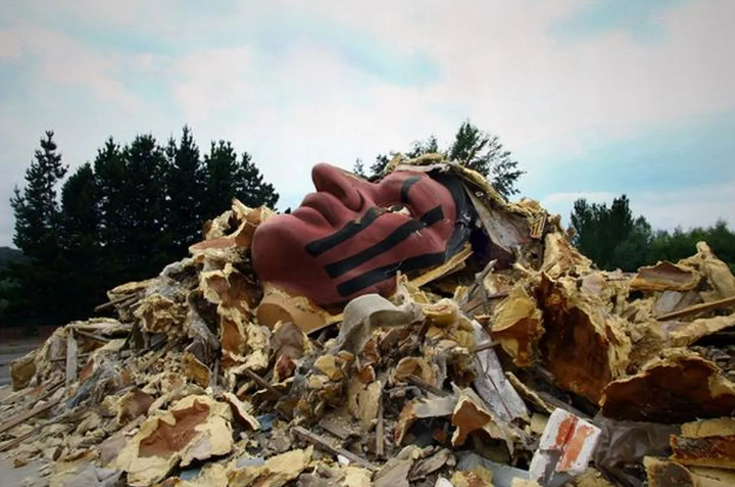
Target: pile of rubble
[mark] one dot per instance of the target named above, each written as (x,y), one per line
(544,372)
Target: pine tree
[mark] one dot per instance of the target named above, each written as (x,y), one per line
(145,165)
(37,209)
(229,177)
(186,193)
(221,167)
(83,287)
(251,189)
(485,154)
(381,162)
(359,168)
(37,230)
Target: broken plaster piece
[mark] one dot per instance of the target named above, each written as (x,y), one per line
(566,446)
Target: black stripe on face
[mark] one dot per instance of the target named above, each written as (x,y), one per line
(318,247)
(382,273)
(398,235)
(407,186)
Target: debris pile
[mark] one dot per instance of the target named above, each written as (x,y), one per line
(533,369)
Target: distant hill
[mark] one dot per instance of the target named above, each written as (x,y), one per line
(8,255)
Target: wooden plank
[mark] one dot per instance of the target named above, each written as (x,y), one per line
(380,432)
(11,423)
(263,383)
(698,308)
(71,359)
(321,443)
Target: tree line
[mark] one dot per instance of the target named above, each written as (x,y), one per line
(122,217)
(139,206)
(615,239)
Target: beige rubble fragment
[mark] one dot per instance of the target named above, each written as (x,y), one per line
(470,415)
(196,371)
(592,478)
(396,471)
(225,245)
(709,427)
(529,394)
(242,411)
(711,451)
(663,473)
(443,313)
(680,386)
(414,367)
(721,475)
(327,364)
(277,471)
(561,258)
(665,276)
(477,477)
(451,265)
(519,482)
(277,305)
(434,407)
(717,272)
(669,301)
(195,428)
(517,325)
(584,346)
(357,477)
(22,370)
(160,314)
(684,334)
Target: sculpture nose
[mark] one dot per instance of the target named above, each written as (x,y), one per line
(342,185)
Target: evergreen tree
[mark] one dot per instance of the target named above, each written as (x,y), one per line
(428,146)
(381,162)
(359,168)
(221,169)
(114,212)
(228,178)
(37,230)
(186,193)
(83,287)
(36,209)
(485,154)
(250,187)
(145,167)
(474,149)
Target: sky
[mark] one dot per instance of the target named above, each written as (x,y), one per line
(593,98)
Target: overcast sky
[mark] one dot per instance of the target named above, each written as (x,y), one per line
(593,99)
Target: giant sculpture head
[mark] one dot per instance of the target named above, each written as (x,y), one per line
(352,236)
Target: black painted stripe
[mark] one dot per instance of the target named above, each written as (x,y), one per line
(398,235)
(407,186)
(318,247)
(380,274)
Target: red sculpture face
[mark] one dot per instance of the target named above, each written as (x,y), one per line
(351,237)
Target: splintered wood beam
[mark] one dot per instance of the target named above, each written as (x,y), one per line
(11,423)
(321,443)
(71,359)
(698,308)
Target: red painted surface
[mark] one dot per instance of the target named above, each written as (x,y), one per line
(279,245)
(574,447)
(565,431)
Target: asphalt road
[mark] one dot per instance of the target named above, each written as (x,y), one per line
(12,350)
(9,351)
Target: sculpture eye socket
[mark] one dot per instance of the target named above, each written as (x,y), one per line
(399,208)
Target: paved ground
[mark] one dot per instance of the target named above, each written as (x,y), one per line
(9,351)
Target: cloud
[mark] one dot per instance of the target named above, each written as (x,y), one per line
(295,83)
